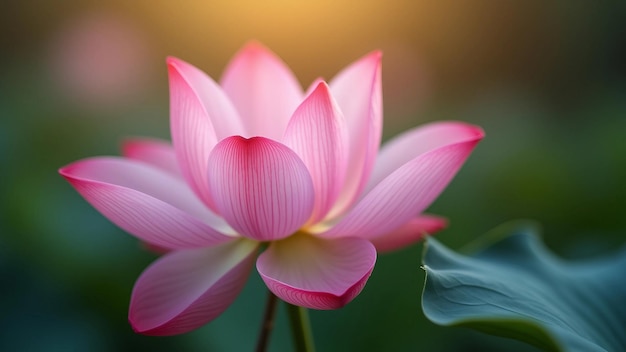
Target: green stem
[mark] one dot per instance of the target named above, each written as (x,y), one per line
(268,323)
(301,328)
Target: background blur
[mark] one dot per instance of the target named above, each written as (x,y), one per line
(547,81)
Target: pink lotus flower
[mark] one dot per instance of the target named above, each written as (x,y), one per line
(256,160)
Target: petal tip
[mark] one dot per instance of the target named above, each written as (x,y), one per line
(478,132)
(376,55)
(63,170)
(173,62)
(253,49)
(374,58)
(473,131)
(129,146)
(321,90)
(138,329)
(253,45)
(133,324)
(68,171)
(466,132)
(180,67)
(475,134)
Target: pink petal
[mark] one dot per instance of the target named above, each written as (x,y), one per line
(315,273)
(263,89)
(358,90)
(414,142)
(186,289)
(217,105)
(155,152)
(313,86)
(149,203)
(317,133)
(201,115)
(260,187)
(409,233)
(408,190)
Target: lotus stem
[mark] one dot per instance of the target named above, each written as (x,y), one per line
(301,328)
(267,324)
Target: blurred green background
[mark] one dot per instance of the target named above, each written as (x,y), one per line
(546,80)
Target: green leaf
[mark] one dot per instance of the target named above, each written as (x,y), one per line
(516,288)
